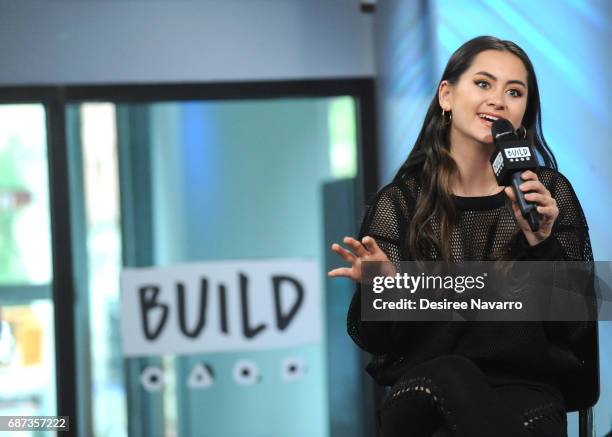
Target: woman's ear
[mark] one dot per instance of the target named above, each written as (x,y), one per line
(445,95)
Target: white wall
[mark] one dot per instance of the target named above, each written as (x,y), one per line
(112,41)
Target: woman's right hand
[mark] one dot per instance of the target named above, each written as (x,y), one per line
(366,250)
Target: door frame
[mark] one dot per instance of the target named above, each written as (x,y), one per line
(55,100)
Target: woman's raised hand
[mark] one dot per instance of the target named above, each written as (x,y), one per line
(547,207)
(366,250)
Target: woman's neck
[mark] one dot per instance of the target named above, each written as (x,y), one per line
(475,176)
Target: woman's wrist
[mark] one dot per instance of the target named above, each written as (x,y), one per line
(534,240)
(547,249)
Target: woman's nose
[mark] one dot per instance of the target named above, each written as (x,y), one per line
(497,103)
(496,100)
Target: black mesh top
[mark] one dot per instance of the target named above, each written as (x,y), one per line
(486,230)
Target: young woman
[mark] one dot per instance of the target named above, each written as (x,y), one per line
(460,378)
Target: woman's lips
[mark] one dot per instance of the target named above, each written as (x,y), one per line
(486,122)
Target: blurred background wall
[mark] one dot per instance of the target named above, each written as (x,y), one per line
(405,44)
(92,41)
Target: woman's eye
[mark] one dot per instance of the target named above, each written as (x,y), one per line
(482,83)
(514,93)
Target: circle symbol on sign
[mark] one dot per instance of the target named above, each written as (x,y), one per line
(152,378)
(246,372)
(292,369)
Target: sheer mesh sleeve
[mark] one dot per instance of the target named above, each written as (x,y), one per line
(385,222)
(569,241)
(572,233)
(570,229)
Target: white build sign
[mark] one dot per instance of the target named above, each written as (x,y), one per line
(220,306)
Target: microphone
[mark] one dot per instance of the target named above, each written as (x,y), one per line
(511,158)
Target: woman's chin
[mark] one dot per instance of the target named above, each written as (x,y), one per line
(486,139)
(484,136)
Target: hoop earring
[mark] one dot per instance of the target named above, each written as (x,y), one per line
(524,131)
(450,117)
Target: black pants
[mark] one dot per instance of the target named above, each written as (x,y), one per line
(450,396)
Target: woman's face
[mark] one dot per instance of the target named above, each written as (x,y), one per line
(494,86)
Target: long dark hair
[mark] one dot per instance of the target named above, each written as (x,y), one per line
(430,157)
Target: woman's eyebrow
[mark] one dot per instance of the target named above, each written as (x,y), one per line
(486,73)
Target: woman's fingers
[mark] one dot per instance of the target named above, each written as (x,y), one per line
(341,272)
(370,244)
(345,254)
(549,212)
(539,194)
(536,186)
(366,250)
(546,206)
(356,246)
(518,214)
(540,199)
(529,175)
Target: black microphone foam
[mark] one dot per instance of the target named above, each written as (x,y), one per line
(511,158)
(502,127)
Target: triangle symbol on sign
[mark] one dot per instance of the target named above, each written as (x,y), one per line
(201,376)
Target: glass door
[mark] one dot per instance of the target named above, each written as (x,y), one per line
(193,181)
(27,347)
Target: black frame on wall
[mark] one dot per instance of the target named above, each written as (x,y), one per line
(61,241)
(56,98)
